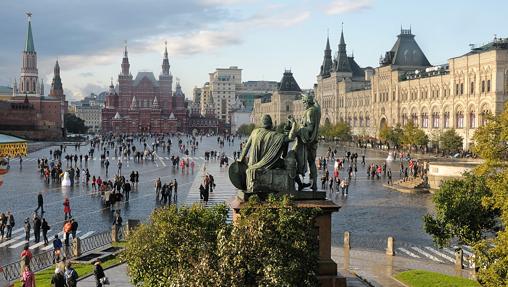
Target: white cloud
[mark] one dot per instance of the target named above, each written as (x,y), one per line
(345,6)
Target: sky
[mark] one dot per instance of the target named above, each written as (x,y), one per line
(263,38)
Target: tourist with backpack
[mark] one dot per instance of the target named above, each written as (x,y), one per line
(70,275)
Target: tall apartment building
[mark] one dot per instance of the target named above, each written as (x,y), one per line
(222,87)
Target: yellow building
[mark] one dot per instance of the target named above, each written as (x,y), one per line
(406,87)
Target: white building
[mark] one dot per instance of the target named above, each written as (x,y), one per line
(223,85)
(92,115)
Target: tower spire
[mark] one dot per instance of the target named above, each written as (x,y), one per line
(327,59)
(56,90)
(342,61)
(125,62)
(165,61)
(29,45)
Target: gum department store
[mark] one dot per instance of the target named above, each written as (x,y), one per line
(406,87)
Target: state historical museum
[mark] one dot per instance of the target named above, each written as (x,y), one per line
(144,104)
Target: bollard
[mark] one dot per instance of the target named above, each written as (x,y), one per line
(114,234)
(389,246)
(459,259)
(76,247)
(347,244)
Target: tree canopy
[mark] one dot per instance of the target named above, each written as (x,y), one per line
(340,131)
(491,145)
(459,211)
(451,141)
(393,135)
(74,124)
(245,129)
(414,136)
(272,244)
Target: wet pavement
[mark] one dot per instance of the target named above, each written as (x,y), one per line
(370,212)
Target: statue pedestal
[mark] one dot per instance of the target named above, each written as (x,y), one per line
(328,276)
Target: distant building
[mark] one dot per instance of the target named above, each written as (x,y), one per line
(144,104)
(252,90)
(92,115)
(281,103)
(28,113)
(223,86)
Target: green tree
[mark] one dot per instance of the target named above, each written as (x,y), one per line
(450,141)
(272,244)
(245,129)
(384,133)
(173,242)
(73,124)
(459,211)
(414,136)
(341,131)
(491,144)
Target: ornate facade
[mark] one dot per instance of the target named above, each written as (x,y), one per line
(282,103)
(28,113)
(144,104)
(406,87)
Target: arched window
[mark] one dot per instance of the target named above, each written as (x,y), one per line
(425,120)
(435,120)
(460,120)
(404,119)
(472,120)
(367,121)
(446,120)
(361,121)
(414,119)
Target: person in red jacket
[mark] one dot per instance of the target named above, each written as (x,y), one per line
(67,208)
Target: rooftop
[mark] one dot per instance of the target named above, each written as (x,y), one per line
(6,139)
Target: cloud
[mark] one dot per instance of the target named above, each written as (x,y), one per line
(86,74)
(346,6)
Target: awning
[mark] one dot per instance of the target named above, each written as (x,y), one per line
(12,146)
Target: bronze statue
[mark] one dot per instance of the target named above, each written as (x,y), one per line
(271,168)
(307,141)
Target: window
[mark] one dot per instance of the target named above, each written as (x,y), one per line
(471,88)
(483,86)
(404,119)
(435,120)
(461,88)
(367,121)
(460,120)
(456,89)
(446,122)
(484,118)
(414,119)
(472,120)
(425,120)
(361,121)
(488,86)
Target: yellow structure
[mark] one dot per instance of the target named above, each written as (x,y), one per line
(406,87)
(12,147)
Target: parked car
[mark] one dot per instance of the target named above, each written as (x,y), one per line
(4,282)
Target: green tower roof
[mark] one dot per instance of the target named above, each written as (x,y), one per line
(29,47)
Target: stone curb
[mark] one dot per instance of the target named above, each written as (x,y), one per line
(362,279)
(398,281)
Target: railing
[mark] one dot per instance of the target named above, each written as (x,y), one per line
(40,261)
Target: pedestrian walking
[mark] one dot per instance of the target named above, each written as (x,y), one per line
(45,227)
(74,228)
(40,203)
(58,279)
(158,187)
(3,224)
(10,224)
(70,275)
(27,228)
(28,277)
(175,191)
(127,190)
(67,229)
(37,223)
(67,208)
(389,174)
(57,249)
(98,272)
(119,164)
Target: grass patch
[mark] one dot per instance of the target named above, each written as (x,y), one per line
(43,277)
(119,244)
(422,278)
